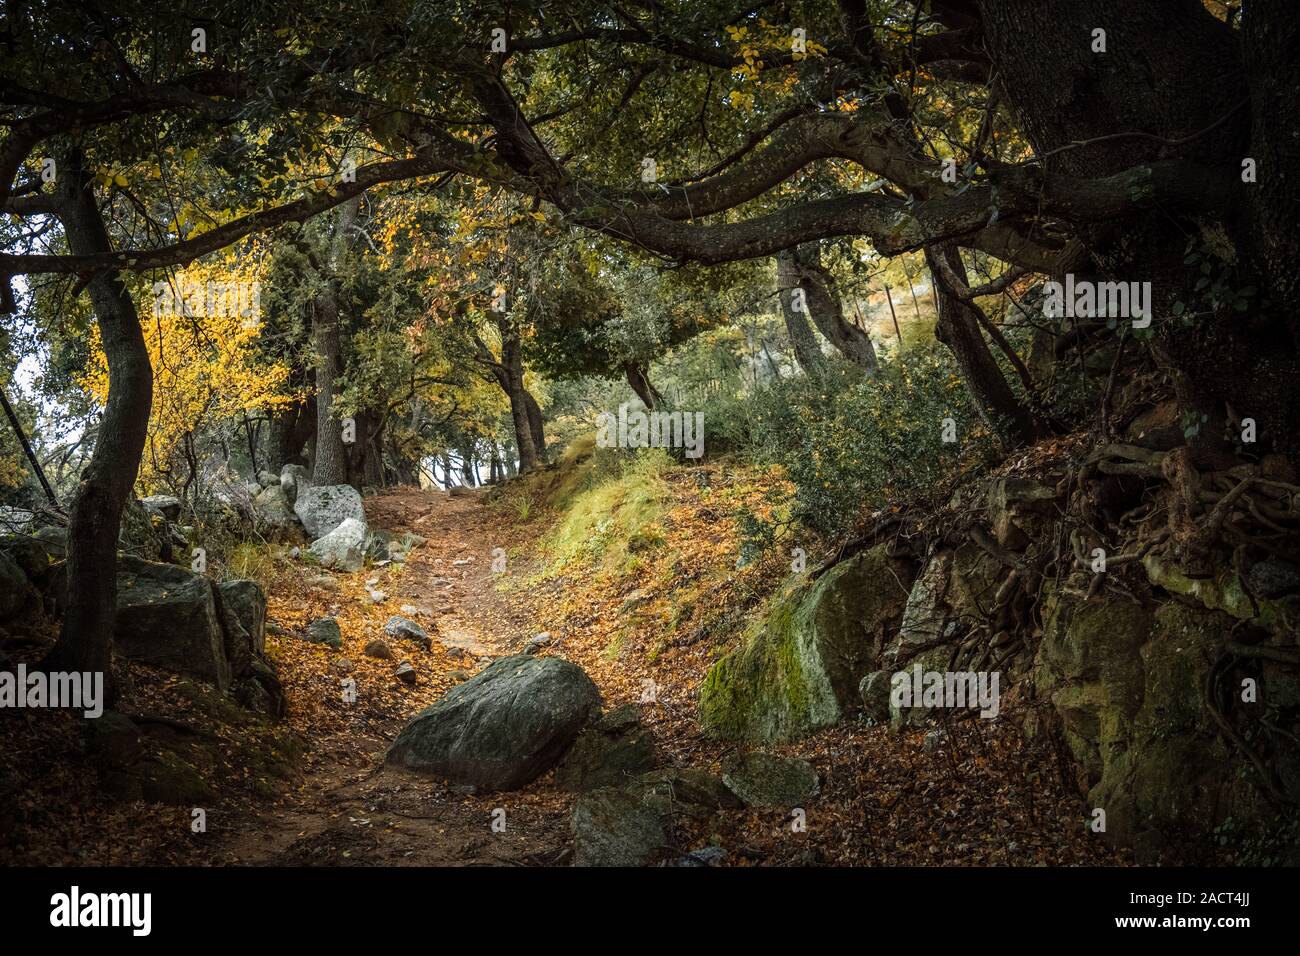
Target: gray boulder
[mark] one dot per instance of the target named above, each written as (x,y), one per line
(766,780)
(503,728)
(325,631)
(343,548)
(403,628)
(608,752)
(322,509)
(168,506)
(167,617)
(617,827)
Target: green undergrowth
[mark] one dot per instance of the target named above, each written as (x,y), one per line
(615,517)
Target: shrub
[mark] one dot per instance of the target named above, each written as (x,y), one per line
(850,443)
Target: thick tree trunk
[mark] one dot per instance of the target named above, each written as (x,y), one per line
(958,328)
(86,639)
(1184,96)
(330,465)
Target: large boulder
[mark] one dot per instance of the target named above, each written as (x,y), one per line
(802,660)
(323,508)
(167,617)
(504,727)
(343,548)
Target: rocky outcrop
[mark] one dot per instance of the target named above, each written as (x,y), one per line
(179,621)
(1136,688)
(803,659)
(503,728)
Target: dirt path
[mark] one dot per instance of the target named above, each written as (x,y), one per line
(353,810)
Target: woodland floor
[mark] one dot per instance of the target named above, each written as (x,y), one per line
(983,797)
(885,799)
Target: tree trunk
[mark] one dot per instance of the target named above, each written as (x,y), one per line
(641,384)
(807,351)
(1188,88)
(827,314)
(86,640)
(525,413)
(958,329)
(536,425)
(330,466)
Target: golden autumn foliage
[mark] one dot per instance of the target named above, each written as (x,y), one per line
(206,367)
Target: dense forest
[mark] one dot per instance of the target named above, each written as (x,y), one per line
(677,432)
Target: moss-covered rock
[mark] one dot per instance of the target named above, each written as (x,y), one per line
(1223,592)
(1127,683)
(802,660)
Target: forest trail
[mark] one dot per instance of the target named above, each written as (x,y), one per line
(886,798)
(353,810)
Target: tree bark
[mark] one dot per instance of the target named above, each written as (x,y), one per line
(86,640)
(807,351)
(826,311)
(330,465)
(525,413)
(958,329)
(641,384)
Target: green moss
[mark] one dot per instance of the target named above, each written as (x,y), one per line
(801,659)
(1223,592)
(606,522)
